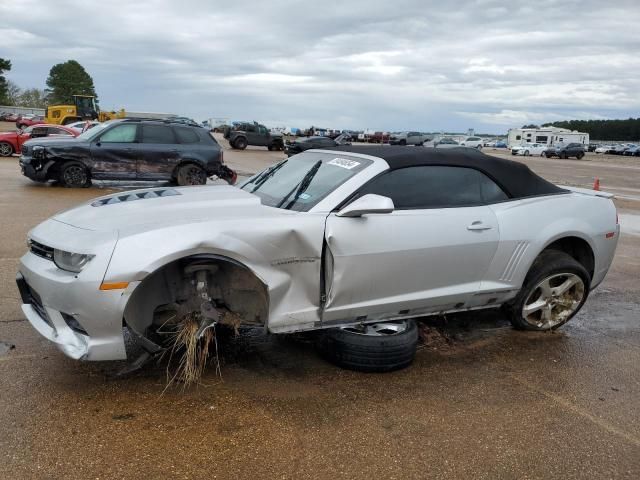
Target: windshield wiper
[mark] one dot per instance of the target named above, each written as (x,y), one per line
(264,176)
(301,187)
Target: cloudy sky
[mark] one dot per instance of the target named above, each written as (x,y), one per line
(406,64)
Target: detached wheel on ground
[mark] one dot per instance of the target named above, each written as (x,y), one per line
(554,290)
(6,150)
(191,175)
(377,347)
(74,175)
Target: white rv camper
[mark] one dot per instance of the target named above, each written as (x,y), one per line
(546,135)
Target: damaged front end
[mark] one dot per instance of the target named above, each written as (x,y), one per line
(34,163)
(194,294)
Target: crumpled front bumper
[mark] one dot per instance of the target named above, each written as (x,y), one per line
(69,309)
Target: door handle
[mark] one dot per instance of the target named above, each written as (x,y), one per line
(478,226)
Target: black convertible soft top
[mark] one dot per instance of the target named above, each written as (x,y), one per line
(514,177)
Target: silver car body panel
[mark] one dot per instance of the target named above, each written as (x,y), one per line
(400,264)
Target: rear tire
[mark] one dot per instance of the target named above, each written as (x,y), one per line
(74,175)
(580,155)
(402,142)
(6,149)
(547,308)
(379,347)
(191,174)
(526,153)
(240,143)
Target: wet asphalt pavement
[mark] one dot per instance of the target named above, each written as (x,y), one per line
(480,401)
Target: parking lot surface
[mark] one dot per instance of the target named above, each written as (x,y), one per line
(481,400)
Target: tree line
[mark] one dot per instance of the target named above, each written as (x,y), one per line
(64,80)
(622,130)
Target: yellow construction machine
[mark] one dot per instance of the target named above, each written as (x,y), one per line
(84,108)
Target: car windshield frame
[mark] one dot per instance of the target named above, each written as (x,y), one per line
(301,182)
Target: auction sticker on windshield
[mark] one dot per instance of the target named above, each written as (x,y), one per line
(344,163)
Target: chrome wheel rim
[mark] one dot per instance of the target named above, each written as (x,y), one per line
(553,300)
(382,329)
(5,149)
(75,175)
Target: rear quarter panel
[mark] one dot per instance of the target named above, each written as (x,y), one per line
(528,226)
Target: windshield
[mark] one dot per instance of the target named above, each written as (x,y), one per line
(300,182)
(92,132)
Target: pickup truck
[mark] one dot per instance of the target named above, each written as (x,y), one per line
(408,138)
(243,134)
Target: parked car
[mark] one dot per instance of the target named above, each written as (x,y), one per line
(408,138)
(29,120)
(445,143)
(320,241)
(127,150)
(378,137)
(307,143)
(11,142)
(473,142)
(501,144)
(527,149)
(243,134)
(10,117)
(633,151)
(592,147)
(83,126)
(570,150)
(618,149)
(489,143)
(604,149)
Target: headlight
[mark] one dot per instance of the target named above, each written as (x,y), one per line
(72,262)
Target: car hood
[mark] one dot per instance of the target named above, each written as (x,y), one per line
(53,141)
(8,135)
(155,207)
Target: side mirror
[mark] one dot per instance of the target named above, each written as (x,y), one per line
(367,204)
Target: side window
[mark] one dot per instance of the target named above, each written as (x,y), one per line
(250,128)
(262,130)
(125,133)
(161,134)
(57,131)
(186,135)
(518,137)
(39,132)
(435,187)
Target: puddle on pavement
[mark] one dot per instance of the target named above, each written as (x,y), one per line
(629,223)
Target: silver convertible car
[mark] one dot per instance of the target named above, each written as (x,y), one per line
(354,241)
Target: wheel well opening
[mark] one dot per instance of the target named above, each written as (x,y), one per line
(578,249)
(232,287)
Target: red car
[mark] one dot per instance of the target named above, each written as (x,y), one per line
(11,142)
(29,121)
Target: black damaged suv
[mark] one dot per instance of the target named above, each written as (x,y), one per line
(127,150)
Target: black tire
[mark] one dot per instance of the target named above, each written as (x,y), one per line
(6,149)
(371,353)
(549,263)
(74,175)
(526,153)
(240,143)
(580,155)
(270,147)
(191,174)
(402,142)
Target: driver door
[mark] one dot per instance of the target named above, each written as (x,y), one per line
(430,254)
(116,152)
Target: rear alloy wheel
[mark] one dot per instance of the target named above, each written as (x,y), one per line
(6,150)
(555,290)
(526,153)
(375,347)
(580,155)
(74,175)
(191,175)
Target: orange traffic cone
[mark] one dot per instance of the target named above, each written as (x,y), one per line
(596,184)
